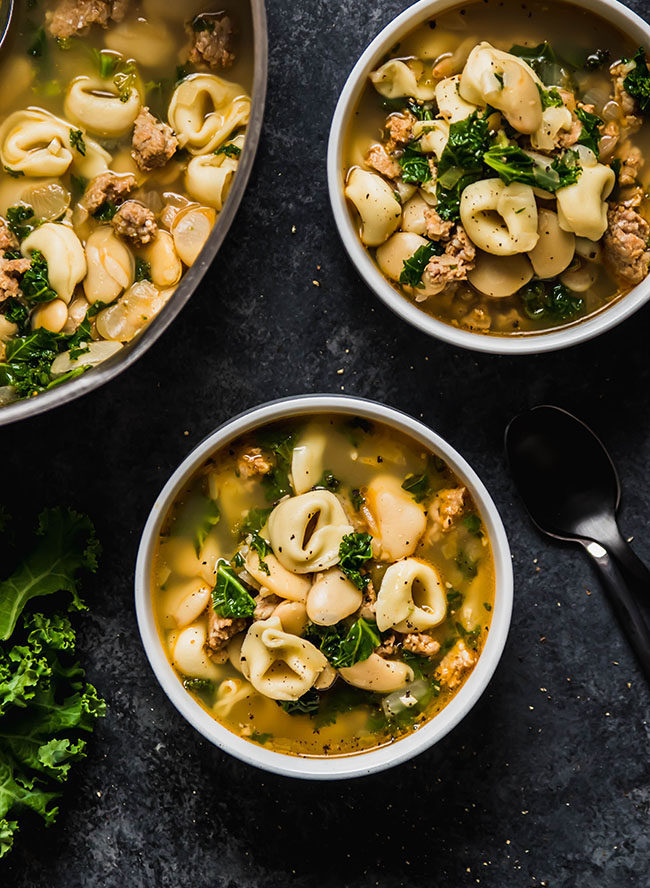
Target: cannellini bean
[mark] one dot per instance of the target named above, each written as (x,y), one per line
(332,598)
(7,329)
(51,316)
(293,616)
(378,675)
(580,276)
(392,255)
(192,600)
(500,276)
(132,312)
(191,229)
(166,267)
(111,266)
(554,249)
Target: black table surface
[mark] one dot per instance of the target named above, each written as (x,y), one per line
(547,781)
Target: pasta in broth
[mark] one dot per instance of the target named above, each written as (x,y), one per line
(113,171)
(323,587)
(495,166)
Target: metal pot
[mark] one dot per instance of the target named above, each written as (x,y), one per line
(127,356)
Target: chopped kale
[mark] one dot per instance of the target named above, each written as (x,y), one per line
(259,544)
(357,499)
(107,62)
(415,165)
(418,486)
(38,45)
(473,523)
(195,519)
(466,565)
(354,551)
(21,221)
(230,597)
(305,705)
(454,599)
(16,312)
(637,82)
(254,521)
(551,98)
(280,442)
(198,685)
(15,174)
(549,67)
(262,738)
(461,163)
(142,270)
(229,150)
(28,360)
(414,266)
(470,636)
(106,212)
(35,283)
(421,111)
(487,606)
(590,135)
(77,141)
(346,645)
(550,300)
(513,164)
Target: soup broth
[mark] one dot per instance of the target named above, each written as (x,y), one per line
(486,220)
(120,134)
(324,586)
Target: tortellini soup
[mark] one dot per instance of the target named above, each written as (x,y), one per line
(121,130)
(323,586)
(496,166)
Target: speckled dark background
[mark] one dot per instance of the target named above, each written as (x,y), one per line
(547,781)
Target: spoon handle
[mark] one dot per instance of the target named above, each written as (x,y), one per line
(624,604)
(630,561)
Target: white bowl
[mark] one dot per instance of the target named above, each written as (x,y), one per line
(362,763)
(610,10)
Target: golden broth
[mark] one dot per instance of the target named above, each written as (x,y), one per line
(347,719)
(128,278)
(573,33)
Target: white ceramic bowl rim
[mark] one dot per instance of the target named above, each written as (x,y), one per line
(362,763)
(612,11)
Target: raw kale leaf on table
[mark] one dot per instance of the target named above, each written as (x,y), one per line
(45,703)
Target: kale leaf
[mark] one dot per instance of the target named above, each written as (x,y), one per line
(354,551)
(415,165)
(329,481)
(21,221)
(549,67)
(546,299)
(35,283)
(254,521)
(258,544)
(77,141)
(142,270)
(196,518)
(306,705)
(344,646)
(513,164)
(461,163)
(28,362)
(590,135)
(414,266)
(418,486)
(551,98)
(229,150)
(280,442)
(230,597)
(637,82)
(66,545)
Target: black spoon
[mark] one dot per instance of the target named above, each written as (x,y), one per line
(570,488)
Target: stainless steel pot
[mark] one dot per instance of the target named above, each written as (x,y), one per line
(127,356)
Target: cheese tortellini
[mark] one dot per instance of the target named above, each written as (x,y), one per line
(375,202)
(209,176)
(36,143)
(231,692)
(279,665)
(582,207)
(507,83)
(451,104)
(396,79)
(205,110)
(307,465)
(306,531)
(100,107)
(411,597)
(499,218)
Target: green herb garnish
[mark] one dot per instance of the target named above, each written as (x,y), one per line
(21,221)
(466,565)
(590,135)
(637,82)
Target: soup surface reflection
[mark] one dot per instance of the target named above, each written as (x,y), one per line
(323,586)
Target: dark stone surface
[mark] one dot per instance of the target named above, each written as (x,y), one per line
(547,781)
